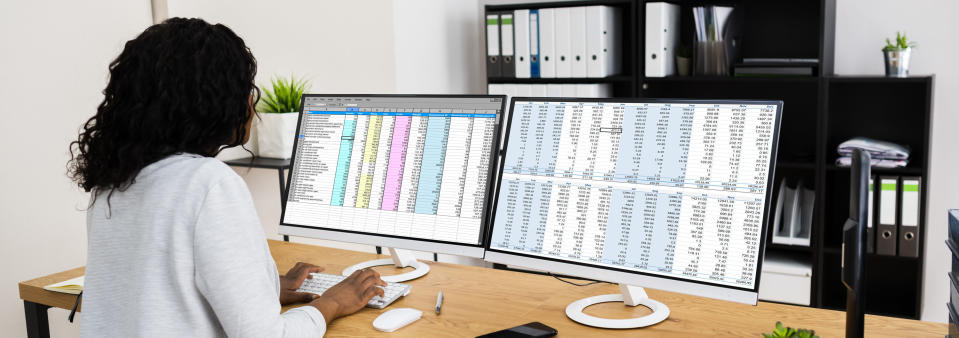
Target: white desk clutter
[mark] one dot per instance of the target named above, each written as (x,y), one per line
(395,319)
(72,286)
(792,222)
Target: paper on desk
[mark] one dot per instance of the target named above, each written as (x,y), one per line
(71,286)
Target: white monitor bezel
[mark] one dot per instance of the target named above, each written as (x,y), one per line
(392,241)
(612,275)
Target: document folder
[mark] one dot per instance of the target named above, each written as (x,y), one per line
(521,27)
(534,43)
(577,41)
(602,44)
(493,56)
(564,62)
(910,227)
(506,38)
(662,36)
(547,43)
(886,237)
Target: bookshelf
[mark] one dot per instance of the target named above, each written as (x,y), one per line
(819,112)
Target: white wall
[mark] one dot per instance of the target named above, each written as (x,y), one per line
(341,46)
(54,66)
(861,28)
(437,50)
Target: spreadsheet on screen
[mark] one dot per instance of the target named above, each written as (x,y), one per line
(405,166)
(671,189)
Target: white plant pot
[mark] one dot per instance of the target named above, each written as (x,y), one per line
(275,134)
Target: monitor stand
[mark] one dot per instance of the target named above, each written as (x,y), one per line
(631,296)
(400,258)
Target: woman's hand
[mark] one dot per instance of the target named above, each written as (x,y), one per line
(350,295)
(292,281)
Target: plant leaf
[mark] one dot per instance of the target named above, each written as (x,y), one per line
(283,96)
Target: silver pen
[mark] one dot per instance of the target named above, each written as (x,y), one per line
(439,302)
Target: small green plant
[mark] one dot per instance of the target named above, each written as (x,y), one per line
(901,43)
(788,332)
(284,97)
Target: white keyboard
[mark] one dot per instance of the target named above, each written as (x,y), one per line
(323,281)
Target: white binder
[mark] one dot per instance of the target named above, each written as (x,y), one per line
(547,43)
(569,90)
(662,36)
(564,64)
(538,90)
(554,90)
(521,32)
(602,44)
(577,41)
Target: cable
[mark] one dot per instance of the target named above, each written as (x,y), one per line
(591,282)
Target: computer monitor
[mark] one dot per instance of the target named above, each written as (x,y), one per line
(668,194)
(401,171)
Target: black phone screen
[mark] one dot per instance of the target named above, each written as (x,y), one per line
(528,330)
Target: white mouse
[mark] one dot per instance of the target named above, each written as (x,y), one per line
(394,319)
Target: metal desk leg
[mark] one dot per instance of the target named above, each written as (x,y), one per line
(282,196)
(38,326)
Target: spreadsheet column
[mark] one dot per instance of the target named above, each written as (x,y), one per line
(411,174)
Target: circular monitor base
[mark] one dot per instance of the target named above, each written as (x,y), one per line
(420,270)
(575,312)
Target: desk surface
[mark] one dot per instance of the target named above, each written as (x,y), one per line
(481,300)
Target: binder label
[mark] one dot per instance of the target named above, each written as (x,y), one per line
(910,203)
(533,33)
(492,35)
(887,201)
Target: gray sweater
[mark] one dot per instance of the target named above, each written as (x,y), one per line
(181,253)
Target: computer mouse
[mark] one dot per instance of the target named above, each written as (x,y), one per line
(394,319)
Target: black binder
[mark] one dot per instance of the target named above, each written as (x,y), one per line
(507,45)
(493,45)
(910,225)
(888,210)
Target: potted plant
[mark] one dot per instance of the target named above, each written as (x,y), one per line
(788,332)
(897,55)
(684,55)
(279,107)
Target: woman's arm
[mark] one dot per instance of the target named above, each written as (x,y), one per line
(238,279)
(347,297)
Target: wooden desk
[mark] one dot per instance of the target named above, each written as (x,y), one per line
(481,300)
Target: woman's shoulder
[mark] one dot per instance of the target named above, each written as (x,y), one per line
(188,167)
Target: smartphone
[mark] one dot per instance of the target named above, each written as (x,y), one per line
(528,330)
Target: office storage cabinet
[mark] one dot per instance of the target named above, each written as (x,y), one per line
(820,111)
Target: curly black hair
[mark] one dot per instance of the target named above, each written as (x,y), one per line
(181,86)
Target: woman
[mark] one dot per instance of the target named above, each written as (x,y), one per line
(175,246)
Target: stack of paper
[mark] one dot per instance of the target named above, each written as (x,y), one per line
(71,286)
(884,154)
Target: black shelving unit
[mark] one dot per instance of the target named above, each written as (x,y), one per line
(819,112)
